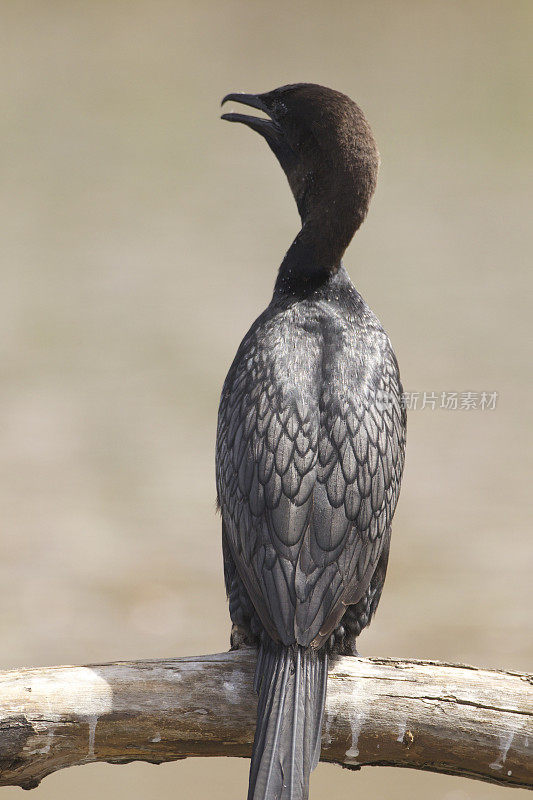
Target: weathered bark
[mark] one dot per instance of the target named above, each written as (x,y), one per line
(422,714)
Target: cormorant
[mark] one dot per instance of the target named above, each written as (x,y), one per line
(310,440)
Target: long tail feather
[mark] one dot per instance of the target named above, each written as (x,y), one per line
(291,683)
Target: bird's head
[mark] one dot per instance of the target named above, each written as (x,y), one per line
(325,147)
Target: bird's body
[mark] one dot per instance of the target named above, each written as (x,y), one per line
(310,449)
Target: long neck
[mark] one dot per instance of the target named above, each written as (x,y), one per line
(307,264)
(315,254)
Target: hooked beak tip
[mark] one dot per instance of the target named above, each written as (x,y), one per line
(227,97)
(252,100)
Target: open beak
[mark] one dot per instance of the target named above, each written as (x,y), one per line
(266,127)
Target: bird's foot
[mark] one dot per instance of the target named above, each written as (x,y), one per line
(350,647)
(241,638)
(342,642)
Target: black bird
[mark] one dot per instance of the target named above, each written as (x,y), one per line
(310,441)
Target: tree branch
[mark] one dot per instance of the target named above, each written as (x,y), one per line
(422,714)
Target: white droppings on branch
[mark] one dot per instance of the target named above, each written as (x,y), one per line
(46,747)
(326,735)
(401,731)
(82,691)
(93,722)
(356,724)
(505,743)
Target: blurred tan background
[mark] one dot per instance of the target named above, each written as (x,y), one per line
(140,237)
